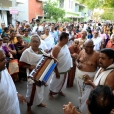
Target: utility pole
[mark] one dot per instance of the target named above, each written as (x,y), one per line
(13,15)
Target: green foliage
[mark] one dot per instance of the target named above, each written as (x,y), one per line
(51,10)
(107,15)
(98,3)
(66,20)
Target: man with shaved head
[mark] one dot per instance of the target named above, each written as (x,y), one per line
(87,63)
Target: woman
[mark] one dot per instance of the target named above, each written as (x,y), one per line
(74,50)
(26,36)
(13,38)
(110,43)
(10,53)
(20,47)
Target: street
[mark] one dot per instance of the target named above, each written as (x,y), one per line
(53,106)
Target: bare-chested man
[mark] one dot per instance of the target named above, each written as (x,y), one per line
(59,77)
(105,75)
(87,63)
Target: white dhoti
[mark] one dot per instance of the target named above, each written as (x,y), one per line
(58,85)
(30,57)
(39,93)
(64,64)
(83,90)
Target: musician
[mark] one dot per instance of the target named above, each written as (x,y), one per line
(29,59)
(59,77)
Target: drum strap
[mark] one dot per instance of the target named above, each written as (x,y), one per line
(32,95)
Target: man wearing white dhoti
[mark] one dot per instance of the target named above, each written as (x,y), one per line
(59,78)
(9,103)
(105,75)
(30,57)
(48,39)
(87,63)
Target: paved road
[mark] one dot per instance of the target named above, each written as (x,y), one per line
(53,106)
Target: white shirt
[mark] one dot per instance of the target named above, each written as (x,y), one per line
(97,43)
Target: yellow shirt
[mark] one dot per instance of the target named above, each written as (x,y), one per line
(13,41)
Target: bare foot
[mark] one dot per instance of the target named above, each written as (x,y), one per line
(42,105)
(51,97)
(29,110)
(62,94)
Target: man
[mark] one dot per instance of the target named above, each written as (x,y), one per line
(105,75)
(36,27)
(9,103)
(48,39)
(98,44)
(100,101)
(87,63)
(59,79)
(29,59)
(82,39)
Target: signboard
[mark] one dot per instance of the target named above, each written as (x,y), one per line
(13,10)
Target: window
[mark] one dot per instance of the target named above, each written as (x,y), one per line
(76,8)
(61,3)
(70,4)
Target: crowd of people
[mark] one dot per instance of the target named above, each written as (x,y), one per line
(84,53)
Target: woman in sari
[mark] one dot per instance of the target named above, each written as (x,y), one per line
(10,53)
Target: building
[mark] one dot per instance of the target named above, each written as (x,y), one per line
(74,10)
(5,15)
(27,9)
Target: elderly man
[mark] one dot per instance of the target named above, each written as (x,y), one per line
(82,39)
(87,63)
(9,103)
(100,101)
(48,39)
(98,42)
(105,75)
(29,59)
(59,79)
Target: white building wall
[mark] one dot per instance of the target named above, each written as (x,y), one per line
(22,6)
(23,11)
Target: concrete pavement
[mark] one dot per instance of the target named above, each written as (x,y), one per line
(53,106)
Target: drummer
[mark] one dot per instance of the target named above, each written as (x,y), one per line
(29,59)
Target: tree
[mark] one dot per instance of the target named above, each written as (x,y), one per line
(98,3)
(108,15)
(51,10)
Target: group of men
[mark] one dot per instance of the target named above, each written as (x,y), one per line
(91,57)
